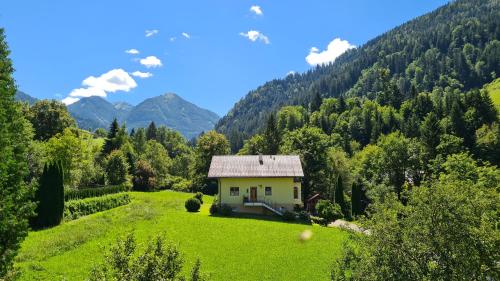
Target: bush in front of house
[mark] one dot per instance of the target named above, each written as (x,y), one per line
(288,215)
(199,196)
(192,205)
(78,208)
(304,216)
(226,210)
(214,209)
(318,220)
(328,210)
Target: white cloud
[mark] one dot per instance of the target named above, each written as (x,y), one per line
(152,32)
(335,48)
(151,61)
(132,51)
(187,36)
(88,92)
(142,74)
(254,35)
(256,10)
(172,39)
(69,100)
(109,82)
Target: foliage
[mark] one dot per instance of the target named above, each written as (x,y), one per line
(447,230)
(328,210)
(49,118)
(15,194)
(226,210)
(156,155)
(318,220)
(288,215)
(116,168)
(192,204)
(214,209)
(144,177)
(272,137)
(253,146)
(82,193)
(78,208)
(199,196)
(208,145)
(158,262)
(50,197)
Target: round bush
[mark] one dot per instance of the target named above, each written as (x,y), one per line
(328,210)
(199,196)
(192,205)
(214,209)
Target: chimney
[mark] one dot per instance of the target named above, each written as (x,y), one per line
(261,161)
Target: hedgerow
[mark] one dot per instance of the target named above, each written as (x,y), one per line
(76,194)
(78,208)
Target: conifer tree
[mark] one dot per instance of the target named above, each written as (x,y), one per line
(110,143)
(272,136)
(50,196)
(15,196)
(316,101)
(151,131)
(430,131)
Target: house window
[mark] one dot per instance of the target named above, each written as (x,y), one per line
(295,192)
(269,191)
(234,191)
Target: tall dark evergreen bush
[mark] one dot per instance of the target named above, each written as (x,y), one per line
(50,196)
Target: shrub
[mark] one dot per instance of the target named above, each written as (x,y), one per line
(79,208)
(75,194)
(328,210)
(318,220)
(304,216)
(183,185)
(288,215)
(226,210)
(116,167)
(199,196)
(159,261)
(214,209)
(144,177)
(50,197)
(192,205)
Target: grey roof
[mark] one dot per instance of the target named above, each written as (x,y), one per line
(248,166)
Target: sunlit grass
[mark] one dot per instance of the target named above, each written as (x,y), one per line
(244,248)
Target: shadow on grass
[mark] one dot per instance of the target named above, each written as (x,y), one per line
(262,218)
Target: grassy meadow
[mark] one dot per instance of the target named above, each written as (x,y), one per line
(494,90)
(234,248)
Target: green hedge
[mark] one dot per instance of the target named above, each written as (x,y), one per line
(78,208)
(77,194)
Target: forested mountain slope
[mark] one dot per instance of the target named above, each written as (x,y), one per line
(455,46)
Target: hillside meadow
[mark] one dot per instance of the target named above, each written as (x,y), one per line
(230,248)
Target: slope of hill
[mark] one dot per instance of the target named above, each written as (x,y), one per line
(79,243)
(494,90)
(93,112)
(174,112)
(456,45)
(21,96)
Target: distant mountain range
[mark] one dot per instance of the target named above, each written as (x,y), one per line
(168,110)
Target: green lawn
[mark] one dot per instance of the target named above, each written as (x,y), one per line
(494,90)
(248,248)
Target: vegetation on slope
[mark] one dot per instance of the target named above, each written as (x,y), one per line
(455,46)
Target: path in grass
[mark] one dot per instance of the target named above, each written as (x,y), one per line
(229,248)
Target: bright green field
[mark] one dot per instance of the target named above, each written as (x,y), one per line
(494,90)
(249,248)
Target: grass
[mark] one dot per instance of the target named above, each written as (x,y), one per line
(242,248)
(494,90)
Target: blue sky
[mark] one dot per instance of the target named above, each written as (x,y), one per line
(209,52)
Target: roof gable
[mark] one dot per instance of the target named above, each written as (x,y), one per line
(249,166)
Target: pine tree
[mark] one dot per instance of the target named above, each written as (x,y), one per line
(110,143)
(272,136)
(151,131)
(430,131)
(316,101)
(339,195)
(355,199)
(16,205)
